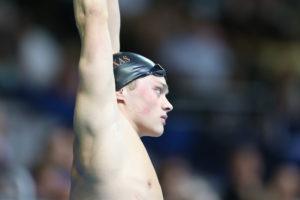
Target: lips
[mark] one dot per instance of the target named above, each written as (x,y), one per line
(164,118)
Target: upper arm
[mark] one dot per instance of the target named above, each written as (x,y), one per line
(114,24)
(96,79)
(96,111)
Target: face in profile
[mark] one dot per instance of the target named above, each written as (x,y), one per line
(147,105)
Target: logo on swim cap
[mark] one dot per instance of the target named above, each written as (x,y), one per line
(121,60)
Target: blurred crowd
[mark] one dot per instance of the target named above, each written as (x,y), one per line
(234,76)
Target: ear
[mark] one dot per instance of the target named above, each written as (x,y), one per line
(120,96)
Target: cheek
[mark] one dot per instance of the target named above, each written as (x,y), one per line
(149,101)
(146,110)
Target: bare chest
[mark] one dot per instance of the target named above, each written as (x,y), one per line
(133,174)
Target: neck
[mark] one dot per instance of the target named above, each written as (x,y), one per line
(128,118)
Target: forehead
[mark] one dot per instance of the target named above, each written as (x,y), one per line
(153,79)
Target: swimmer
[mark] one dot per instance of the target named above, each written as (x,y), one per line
(121,98)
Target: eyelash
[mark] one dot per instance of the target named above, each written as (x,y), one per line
(159,90)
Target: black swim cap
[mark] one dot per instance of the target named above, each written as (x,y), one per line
(131,66)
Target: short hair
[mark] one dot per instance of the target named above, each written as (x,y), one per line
(132,85)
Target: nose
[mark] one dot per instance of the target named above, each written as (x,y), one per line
(167,106)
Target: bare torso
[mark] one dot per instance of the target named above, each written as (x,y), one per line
(124,169)
(135,177)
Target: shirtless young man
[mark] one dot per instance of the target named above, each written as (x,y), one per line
(121,97)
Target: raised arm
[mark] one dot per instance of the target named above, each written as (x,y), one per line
(97,86)
(96,110)
(114,24)
(109,11)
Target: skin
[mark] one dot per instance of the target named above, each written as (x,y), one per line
(110,161)
(146,105)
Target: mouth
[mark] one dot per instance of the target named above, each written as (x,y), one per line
(164,119)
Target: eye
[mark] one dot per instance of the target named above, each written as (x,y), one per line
(158,90)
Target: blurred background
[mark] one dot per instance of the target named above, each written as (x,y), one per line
(234,77)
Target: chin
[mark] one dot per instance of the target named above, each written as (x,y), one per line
(156,133)
(153,133)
